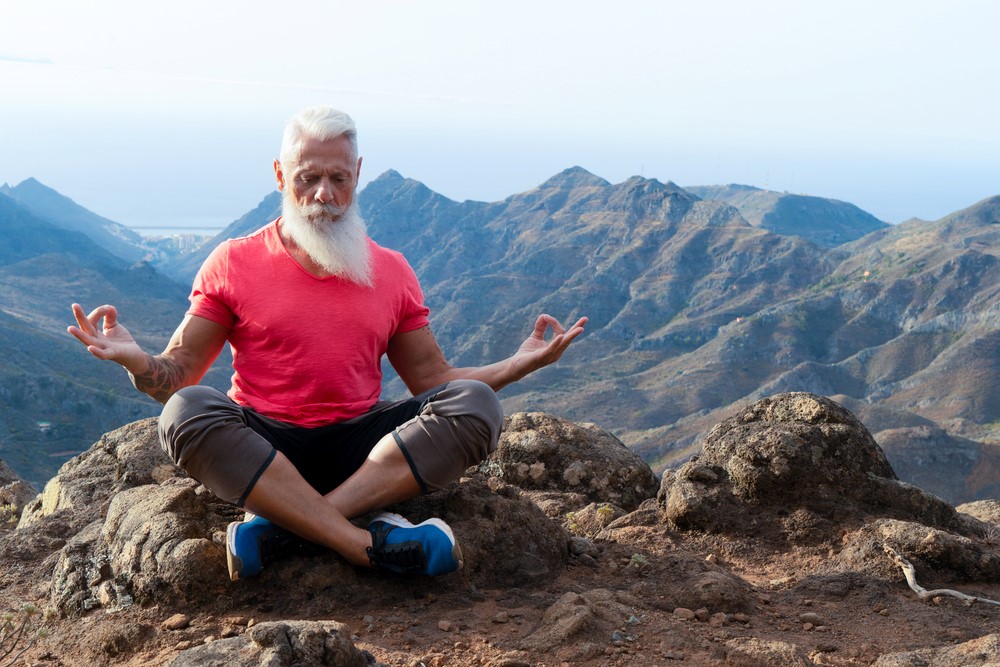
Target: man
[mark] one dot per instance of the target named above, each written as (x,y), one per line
(309,304)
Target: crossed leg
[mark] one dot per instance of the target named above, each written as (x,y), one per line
(209,436)
(283,496)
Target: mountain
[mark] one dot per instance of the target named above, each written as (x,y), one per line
(55,398)
(825,222)
(63,212)
(694,310)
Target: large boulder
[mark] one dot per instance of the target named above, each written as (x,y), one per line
(155,545)
(164,544)
(126,457)
(544,454)
(790,467)
(135,530)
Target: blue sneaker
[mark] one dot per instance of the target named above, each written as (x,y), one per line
(401,547)
(253,543)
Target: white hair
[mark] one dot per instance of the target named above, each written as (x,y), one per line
(317,122)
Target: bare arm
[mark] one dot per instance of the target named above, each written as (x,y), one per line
(193,347)
(418,359)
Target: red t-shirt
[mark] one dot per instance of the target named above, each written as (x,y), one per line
(306,350)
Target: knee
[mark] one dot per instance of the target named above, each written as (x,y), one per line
(479,401)
(188,414)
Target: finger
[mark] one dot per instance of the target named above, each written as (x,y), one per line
(81,319)
(81,335)
(99,352)
(108,313)
(541,324)
(560,342)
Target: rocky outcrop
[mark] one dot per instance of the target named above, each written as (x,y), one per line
(792,468)
(987,511)
(142,532)
(126,457)
(155,545)
(766,549)
(546,454)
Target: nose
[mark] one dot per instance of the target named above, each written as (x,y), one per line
(324,192)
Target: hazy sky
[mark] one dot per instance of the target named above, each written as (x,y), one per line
(160,113)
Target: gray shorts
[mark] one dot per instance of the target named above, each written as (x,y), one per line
(227,447)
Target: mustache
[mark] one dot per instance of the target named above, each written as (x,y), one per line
(317,212)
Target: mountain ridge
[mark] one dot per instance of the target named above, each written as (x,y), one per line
(693,310)
(62,211)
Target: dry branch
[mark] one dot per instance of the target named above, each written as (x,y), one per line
(923,593)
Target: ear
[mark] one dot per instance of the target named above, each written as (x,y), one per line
(357,175)
(279,175)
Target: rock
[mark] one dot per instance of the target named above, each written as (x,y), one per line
(176,622)
(156,544)
(157,538)
(580,546)
(579,616)
(153,545)
(281,644)
(592,519)
(127,457)
(810,617)
(684,614)
(790,468)
(714,590)
(753,652)
(15,493)
(982,652)
(556,504)
(540,452)
(937,556)
(987,511)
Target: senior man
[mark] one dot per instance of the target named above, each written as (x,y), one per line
(309,304)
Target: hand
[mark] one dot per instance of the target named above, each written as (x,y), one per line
(113,343)
(535,352)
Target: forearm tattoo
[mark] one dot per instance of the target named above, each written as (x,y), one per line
(161,380)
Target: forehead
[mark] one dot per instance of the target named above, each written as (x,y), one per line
(325,154)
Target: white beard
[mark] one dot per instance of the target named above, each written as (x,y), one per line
(333,237)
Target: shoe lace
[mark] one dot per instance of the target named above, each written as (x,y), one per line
(278,544)
(402,557)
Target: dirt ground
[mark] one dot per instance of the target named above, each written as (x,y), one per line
(831,620)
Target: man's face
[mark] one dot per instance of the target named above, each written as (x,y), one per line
(322,181)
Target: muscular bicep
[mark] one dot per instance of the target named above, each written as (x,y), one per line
(417,358)
(195,344)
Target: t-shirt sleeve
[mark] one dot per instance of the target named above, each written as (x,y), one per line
(413,312)
(208,293)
